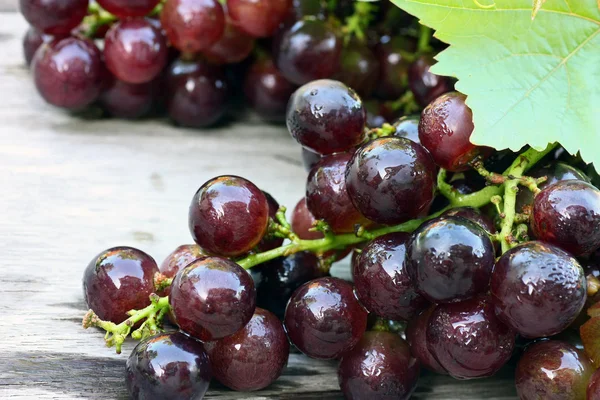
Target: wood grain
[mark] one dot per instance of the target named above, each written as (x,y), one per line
(72,187)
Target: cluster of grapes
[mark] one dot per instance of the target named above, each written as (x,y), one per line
(193,58)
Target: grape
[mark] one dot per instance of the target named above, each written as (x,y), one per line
(303,221)
(118,280)
(426,86)
(379,367)
(197,93)
(68,73)
(233,46)
(308,8)
(270,244)
(180,258)
(308,50)
(553,370)
(279,278)
(359,68)
(54,17)
(408,127)
(326,195)
(267,91)
(379,113)
(538,290)
(450,259)
(32,41)
(391,180)
(212,298)
(323,319)
(393,78)
(170,366)
(193,25)
(128,8)
(382,282)
(468,340)
(228,216)
(472,214)
(258,18)
(309,159)
(135,51)
(445,130)
(252,358)
(554,172)
(593,389)
(416,335)
(326,117)
(567,214)
(126,100)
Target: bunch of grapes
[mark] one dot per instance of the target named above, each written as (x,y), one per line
(194,59)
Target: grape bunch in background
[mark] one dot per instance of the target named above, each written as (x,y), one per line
(194,59)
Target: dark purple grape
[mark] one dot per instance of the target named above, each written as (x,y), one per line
(267,90)
(128,8)
(258,18)
(450,259)
(118,280)
(252,358)
(169,367)
(228,216)
(69,73)
(279,278)
(197,93)
(468,340)
(193,25)
(391,180)
(326,195)
(54,17)
(382,282)
(554,172)
(32,41)
(408,127)
(135,51)
(326,117)
(212,298)
(272,243)
(393,77)
(180,258)
(538,289)
(472,214)
(234,46)
(553,370)
(309,159)
(426,86)
(567,214)
(445,130)
(379,367)
(308,50)
(323,318)
(416,335)
(303,221)
(359,68)
(379,113)
(593,389)
(127,100)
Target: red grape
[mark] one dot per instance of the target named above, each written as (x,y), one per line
(303,221)
(128,8)
(127,100)
(408,127)
(472,214)
(32,41)
(233,46)
(416,335)
(272,243)
(593,389)
(180,258)
(426,86)
(359,68)
(393,77)
(258,18)
(54,17)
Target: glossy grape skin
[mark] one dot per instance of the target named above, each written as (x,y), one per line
(267,90)
(593,389)
(445,130)
(128,8)
(197,93)
(69,73)
(379,367)
(180,258)
(393,77)
(408,127)
(135,51)
(323,319)
(326,195)
(228,216)
(391,180)
(118,280)
(382,281)
(54,17)
(303,220)
(126,100)
(258,18)
(279,278)
(538,290)
(552,370)
(270,244)
(193,25)
(212,298)
(309,50)
(326,116)
(450,259)
(234,46)
(426,86)
(472,214)
(32,40)
(468,340)
(169,366)
(416,335)
(309,159)
(567,214)
(359,68)
(252,358)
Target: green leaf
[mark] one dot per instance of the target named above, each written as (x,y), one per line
(528,81)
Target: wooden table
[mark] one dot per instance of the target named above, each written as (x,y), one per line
(73,187)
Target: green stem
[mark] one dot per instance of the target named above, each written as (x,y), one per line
(423,45)
(356,25)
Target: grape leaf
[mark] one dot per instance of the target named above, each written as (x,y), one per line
(528,81)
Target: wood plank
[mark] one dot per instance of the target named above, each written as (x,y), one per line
(73,187)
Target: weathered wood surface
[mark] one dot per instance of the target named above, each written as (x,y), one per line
(72,187)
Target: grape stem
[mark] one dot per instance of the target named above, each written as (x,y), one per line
(357,24)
